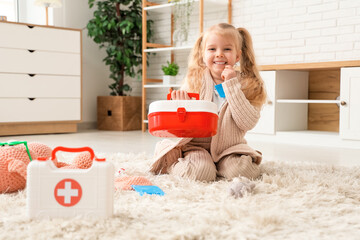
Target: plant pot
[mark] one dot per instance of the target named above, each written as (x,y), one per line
(167,79)
(118,113)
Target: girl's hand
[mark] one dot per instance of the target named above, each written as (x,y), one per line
(179,95)
(228,73)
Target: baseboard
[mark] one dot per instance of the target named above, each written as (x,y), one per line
(87,126)
(312,138)
(10,129)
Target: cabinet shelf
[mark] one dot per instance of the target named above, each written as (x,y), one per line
(307,101)
(168,49)
(162,7)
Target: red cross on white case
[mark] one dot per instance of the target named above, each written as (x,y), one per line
(68,192)
(55,192)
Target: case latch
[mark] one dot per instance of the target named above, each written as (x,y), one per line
(181,112)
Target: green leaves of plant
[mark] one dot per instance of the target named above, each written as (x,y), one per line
(126,26)
(171,69)
(117,27)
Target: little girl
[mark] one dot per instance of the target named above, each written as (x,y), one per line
(226,154)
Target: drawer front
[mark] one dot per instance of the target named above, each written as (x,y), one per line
(39,38)
(39,62)
(39,109)
(23,85)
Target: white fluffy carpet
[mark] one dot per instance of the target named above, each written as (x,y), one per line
(290,201)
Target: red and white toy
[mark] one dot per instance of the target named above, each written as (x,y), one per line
(59,192)
(183,118)
(14,159)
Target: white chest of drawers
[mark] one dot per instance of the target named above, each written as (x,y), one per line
(40,79)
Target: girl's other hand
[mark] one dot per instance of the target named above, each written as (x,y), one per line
(228,73)
(179,95)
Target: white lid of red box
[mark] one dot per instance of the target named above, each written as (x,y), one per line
(189,105)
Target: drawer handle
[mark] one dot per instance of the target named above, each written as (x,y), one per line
(29,26)
(31,74)
(31,98)
(343,103)
(30,50)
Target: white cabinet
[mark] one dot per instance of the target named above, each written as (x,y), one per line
(22,36)
(317,100)
(39,62)
(350,103)
(280,113)
(39,109)
(40,79)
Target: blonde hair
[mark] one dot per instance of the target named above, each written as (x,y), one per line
(252,84)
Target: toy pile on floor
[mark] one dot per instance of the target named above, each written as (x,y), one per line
(35,166)
(16,155)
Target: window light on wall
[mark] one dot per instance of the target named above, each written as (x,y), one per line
(47,4)
(9,10)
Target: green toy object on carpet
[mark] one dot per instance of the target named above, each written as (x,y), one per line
(17,143)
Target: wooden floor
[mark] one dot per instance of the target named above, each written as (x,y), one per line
(136,142)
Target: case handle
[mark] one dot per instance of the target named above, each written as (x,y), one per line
(73,150)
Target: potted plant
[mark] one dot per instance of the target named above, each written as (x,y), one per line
(170,71)
(117,26)
(182,14)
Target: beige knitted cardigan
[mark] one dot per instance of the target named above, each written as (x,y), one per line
(236,117)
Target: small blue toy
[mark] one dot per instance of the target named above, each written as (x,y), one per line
(220,90)
(148,190)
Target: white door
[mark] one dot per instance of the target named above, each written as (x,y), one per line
(266,122)
(350,103)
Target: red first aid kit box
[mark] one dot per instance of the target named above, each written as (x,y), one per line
(183,118)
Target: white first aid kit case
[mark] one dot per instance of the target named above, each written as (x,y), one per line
(55,192)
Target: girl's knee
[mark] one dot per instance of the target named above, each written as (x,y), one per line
(195,167)
(238,165)
(161,145)
(162,165)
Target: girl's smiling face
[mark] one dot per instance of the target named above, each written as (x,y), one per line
(219,51)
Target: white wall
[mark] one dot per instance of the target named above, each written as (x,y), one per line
(295,31)
(31,13)
(8,8)
(76,14)
(284,31)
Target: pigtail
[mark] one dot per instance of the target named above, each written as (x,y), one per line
(196,67)
(247,62)
(254,90)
